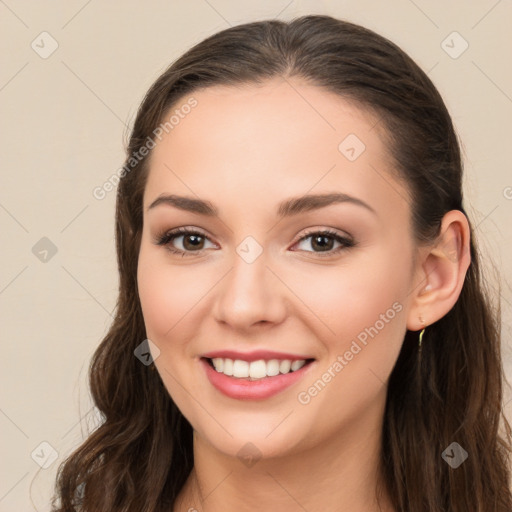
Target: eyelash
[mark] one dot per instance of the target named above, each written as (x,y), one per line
(167,237)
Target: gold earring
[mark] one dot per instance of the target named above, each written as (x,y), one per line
(421,333)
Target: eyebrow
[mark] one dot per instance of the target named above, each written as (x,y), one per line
(287,208)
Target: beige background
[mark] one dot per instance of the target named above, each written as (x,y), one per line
(64,120)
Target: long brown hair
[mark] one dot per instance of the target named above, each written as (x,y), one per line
(141,455)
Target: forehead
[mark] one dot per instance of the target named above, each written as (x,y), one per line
(282,138)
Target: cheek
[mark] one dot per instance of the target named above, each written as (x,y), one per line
(169,295)
(360,313)
(346,299)
(170,303)
(158,298)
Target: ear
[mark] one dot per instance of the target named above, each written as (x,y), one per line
(440,272)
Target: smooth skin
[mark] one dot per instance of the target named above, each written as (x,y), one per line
(244,150)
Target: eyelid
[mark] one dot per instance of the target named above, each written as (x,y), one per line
(346,241)
(163,238)
(326,231)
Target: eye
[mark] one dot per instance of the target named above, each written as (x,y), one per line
(320,240)
(192,242)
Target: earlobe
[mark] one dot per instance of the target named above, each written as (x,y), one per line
(441,272)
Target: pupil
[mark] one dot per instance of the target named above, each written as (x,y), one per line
(322,245)
(194,244)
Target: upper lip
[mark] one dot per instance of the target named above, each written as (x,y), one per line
(255,355)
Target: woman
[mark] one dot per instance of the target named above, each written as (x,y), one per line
(301,321)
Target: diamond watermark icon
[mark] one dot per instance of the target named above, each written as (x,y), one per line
(351,147)
(249,249)
(147,352)
(44,250)
(454,45)
(44,455)
(44,45)
(455,455)
(249,454)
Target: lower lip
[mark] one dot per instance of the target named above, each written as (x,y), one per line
(244,389)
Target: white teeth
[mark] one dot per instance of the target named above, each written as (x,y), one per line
(240,368)
(228,367)
(256,369)
(285,365)
(218,362)
(273,368)
(297,365)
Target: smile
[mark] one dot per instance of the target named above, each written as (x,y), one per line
(254,380)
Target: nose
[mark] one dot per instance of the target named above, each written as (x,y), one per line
(251,294)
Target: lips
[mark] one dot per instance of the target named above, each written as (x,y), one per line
(254,375)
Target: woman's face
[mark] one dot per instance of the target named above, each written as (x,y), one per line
(257,282)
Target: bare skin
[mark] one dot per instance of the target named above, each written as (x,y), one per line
(245,150)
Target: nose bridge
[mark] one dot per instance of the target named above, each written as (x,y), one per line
(250,293)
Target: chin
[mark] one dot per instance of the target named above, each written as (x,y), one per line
(254,442)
